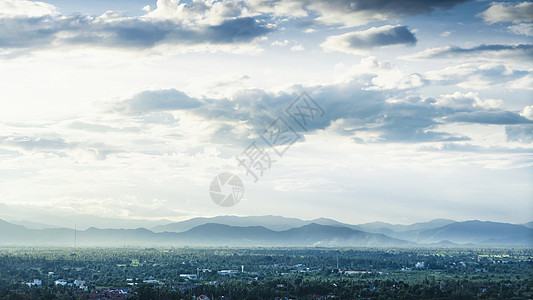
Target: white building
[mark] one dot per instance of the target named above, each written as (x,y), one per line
(79,282)
(36,282)
(227,272)
(61,282)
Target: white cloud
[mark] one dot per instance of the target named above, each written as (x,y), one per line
(298,47)
(24,8)
(527,112)
(196,26)
(280,43)
(506,12)
(146,8)
(467,101)
(290,9)
(475,75)
(446,34)
(196,12)
(522,29)
(378,75)
(524,83)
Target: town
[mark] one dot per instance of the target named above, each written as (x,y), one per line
(260,273)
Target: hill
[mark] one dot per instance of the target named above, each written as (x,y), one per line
(480,233)
(203,235)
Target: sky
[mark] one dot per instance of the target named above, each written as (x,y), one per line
(360,111)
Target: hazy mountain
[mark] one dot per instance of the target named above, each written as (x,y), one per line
(307,235)
(528,225)
(203,235)
(33,225)
(271,222)
(386,228)
(282,223)
(480,233)
(43,218)
(83,222)
(469,233)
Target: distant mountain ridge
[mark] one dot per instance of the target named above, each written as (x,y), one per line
(277,223)
(479,232)
(245,231)
(203,235)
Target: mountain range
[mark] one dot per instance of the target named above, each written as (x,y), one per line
(234,231)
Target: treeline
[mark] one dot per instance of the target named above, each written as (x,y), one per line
(269,273)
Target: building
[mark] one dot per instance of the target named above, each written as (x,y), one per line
(189,276)
(36,282)
(60,282)
(227,272)
(151,281)
(79,282)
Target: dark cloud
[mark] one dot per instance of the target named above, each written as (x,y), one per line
(235,31)
(21,32)
(360,12)
(520,133)
(45,31)
(520,51)
(500,117)
(371,38)
(481,48)
(150,101)
(388,36)
(391,7)
(357,110)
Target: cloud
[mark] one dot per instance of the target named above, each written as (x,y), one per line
(280,43)
(380,75)
(520,133)
(525,82)
(56,146)
(360,12)
(489,117)
(351,109)
(160,100)
(527,112)
(38,144)
(465,102)
(506,12)
(196,12)
(298,47)
(345,12)
(484,52)
(279,8)
(24,8)
(359,42)
(113,30)
(475,75)
(522,29)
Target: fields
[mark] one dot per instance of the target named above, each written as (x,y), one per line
(260,273)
